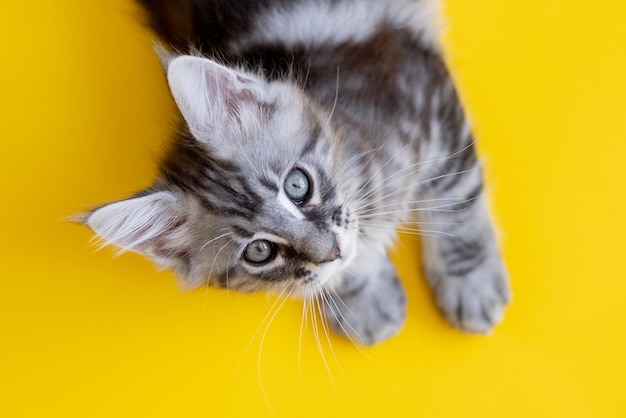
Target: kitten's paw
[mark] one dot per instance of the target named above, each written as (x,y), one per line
(474,303)
(371,310)
(368,317)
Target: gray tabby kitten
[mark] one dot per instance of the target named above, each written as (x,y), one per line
(310,131)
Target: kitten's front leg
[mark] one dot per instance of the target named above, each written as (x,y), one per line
(369,305)
(462,263)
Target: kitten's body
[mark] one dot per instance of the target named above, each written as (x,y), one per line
(355,95)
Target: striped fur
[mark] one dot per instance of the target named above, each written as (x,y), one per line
(355,94)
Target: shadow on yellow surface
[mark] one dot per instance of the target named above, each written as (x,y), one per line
(85,112)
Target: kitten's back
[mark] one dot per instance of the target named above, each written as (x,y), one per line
(221,27)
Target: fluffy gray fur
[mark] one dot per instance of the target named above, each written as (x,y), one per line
(355,96)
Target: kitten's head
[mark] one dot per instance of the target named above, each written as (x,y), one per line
(248,197)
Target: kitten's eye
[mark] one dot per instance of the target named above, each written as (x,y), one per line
(297,186)
(260,251)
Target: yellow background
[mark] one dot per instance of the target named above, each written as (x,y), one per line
(85,113)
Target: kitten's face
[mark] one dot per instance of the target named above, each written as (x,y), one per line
(250,200)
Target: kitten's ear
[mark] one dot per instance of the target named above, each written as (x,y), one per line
(213,99)
(148,224)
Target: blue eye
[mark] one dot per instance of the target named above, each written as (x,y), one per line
(297,185)
(260,251)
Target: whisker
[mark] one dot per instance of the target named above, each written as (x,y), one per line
(326,332)
(227,278)
(440,208)
(356,157)
(387,181)
(214,239)
(363,209)
(456,173)
(405,223)
(267,327)
(344,168)
(413,185)
(269,312)
(341,319)
(421,234)
(302,319)
(420,165)
(206,288)
(390,159)
(332,111)
(215,258)
(330,289)
(419,231)
(319,343)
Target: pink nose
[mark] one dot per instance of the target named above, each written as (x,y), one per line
(334,252)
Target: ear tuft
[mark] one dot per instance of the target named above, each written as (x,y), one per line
(164,55)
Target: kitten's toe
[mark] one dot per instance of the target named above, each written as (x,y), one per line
(474,303)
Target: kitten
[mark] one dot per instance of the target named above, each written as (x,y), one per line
(310,131)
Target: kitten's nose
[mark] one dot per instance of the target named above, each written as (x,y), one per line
(334,253)
(315,245)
